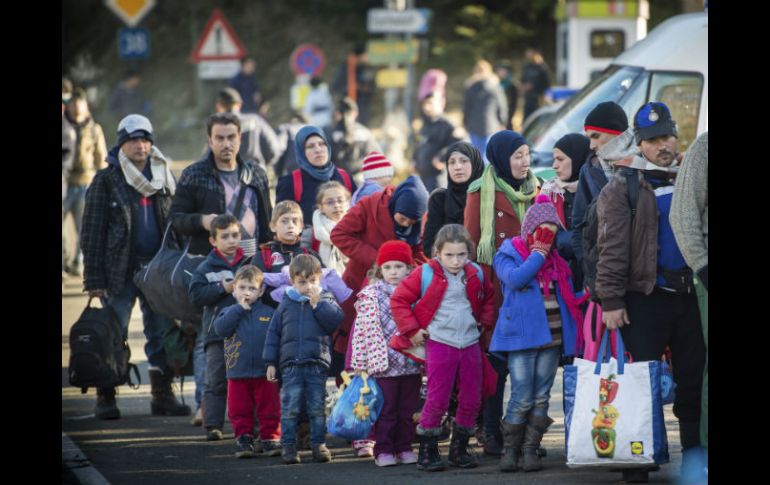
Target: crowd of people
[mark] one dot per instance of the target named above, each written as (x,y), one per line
(472,264)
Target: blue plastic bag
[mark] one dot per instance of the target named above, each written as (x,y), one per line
(357,408)
(667,384)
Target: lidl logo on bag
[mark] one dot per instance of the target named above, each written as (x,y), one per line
(637,448)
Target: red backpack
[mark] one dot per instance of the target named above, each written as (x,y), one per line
(297,176)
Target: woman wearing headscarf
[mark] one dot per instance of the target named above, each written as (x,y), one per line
(393,213)
(569,155)
(314,158)
(494,208)
(447,206)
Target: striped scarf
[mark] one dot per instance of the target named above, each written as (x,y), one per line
(161,174)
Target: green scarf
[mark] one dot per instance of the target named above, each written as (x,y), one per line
(520,200)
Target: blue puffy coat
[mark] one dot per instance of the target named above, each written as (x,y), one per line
(299,334)
(244,332)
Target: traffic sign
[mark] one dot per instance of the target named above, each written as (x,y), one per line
(384,52)
(390,78)
(307,59)
(218,69)
(130,11)
(384,21)
(134,43)
(218,41)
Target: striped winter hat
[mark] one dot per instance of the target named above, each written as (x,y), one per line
(540,212)
(376,165)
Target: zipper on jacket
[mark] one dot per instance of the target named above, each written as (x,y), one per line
(299,332)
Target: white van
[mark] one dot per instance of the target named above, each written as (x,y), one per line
(669,65)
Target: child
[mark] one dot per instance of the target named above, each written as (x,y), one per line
(378,172)
(398,376)
(333,201)
(244,326)
(298,343)
(287,223)
(446,317)
(530,326)
(211,287)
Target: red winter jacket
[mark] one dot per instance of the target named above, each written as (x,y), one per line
(359,235)
(409,320)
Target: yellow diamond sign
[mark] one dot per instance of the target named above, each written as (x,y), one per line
(130,11)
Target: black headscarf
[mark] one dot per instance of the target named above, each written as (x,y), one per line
(576,147)
(499,150)
(454,202)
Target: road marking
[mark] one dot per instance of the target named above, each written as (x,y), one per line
(79,464)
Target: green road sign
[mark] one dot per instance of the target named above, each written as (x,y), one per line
(383,52)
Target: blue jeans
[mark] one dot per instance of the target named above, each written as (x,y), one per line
(480,142)
(155,324)
(306,382)
(532,375)
(75,202)
(199,366)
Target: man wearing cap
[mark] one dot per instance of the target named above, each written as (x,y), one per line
(351,140)
(643,282)
(258,139)
(126,211)
(606,121)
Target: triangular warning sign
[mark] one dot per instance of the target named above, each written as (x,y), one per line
(218,41)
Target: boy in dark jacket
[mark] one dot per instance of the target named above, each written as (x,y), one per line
(211,287)
(298,342)
(244,327)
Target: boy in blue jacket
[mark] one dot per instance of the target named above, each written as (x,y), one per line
(244,327)
(299,343)
(211,287)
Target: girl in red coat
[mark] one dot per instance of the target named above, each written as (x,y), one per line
(447,318)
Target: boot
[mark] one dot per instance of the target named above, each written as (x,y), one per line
(429,457)
(513,436)
(458,448)
(106,407)
(164,402)
(493,444)
(536,427)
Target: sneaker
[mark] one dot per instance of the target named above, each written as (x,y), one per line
(366,451)
(385,459)
(271,448)
(244,446)
(407,457)
(321,453)
(214,434)
(197,420)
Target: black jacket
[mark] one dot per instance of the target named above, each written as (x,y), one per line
(106,237)
(434,137)
(201,192)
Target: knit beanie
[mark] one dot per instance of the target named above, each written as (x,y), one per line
(376,166)
(607,117)
(653,120)
(394,251)
(134,126)
(542,211)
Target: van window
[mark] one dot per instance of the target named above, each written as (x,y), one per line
(607,43)
(681,92)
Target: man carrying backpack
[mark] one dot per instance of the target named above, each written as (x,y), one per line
(126,211)
(644,285)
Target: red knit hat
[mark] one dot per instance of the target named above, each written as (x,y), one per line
(394,251)
(376,165)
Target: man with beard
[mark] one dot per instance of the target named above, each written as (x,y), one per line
(643,282)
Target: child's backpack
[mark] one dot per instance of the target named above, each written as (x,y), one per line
(590,230)
(99,352)
(297,179)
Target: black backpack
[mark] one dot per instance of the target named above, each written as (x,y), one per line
(590,230)
(99,352)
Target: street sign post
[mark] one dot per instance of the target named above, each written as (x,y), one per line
(307,59)
(387,51)
(391,78)
(134,43)
(218,41)
(384,21)
(130,11)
